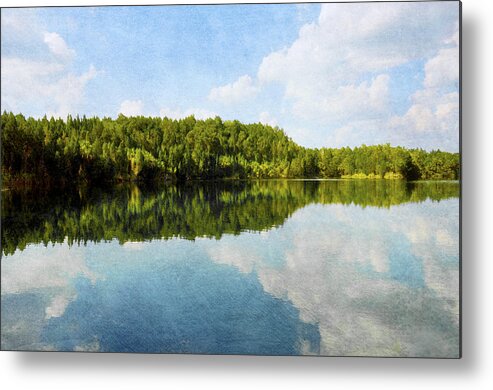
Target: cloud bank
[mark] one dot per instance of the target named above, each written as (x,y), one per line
(41,75)
(337,77)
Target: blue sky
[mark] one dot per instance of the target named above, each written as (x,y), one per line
(328,74)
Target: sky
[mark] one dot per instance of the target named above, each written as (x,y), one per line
(328,74)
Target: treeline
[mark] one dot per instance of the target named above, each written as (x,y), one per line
(96,150)
(187,210)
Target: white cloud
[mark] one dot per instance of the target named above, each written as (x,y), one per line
(330,272)
(431,122)
(435,108)
(419,116)
(367,99)
(39,81)
(227,253)
(68,92)
(349,134)
(321,70)
(433,114)
(131,107)
(59,303)
(21,26)
(46,86)
(242,89)
(38,268)
(92,346)
(267,119)
(442,69)
(432,119)
(51,270)
(133,245)
(337,73)
(198,113)
(58,47)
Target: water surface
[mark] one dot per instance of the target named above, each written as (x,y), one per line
(270,267)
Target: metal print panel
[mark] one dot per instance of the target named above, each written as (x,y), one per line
(261,179)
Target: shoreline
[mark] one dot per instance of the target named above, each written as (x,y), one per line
(143,183)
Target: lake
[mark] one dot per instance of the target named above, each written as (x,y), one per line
(275,267)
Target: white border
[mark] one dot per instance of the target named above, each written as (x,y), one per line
(475,371)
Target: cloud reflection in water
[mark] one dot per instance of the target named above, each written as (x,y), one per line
(333,280)
(375,281)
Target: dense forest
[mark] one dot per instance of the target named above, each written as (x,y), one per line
(187,210)
(93,150)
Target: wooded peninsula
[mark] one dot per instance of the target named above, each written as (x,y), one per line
(97,151)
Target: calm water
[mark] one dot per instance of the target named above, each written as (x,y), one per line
(268,267)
